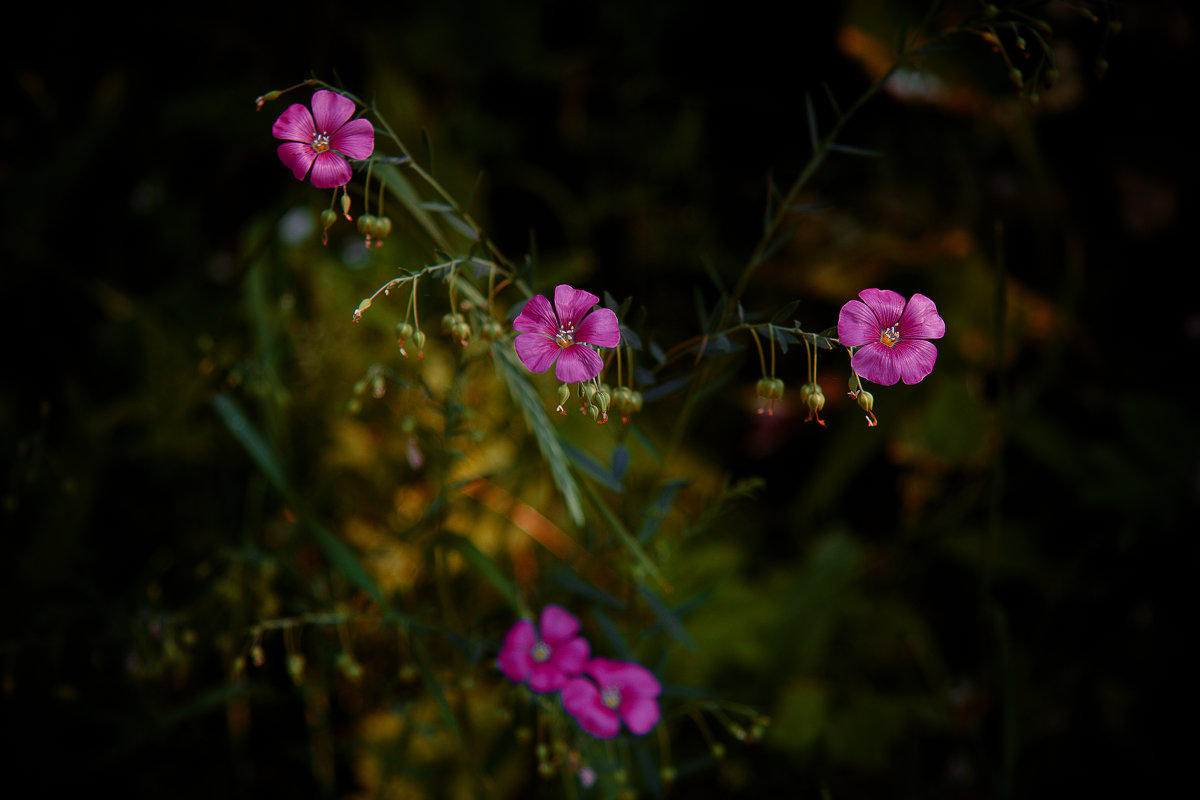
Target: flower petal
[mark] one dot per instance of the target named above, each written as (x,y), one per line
(537,317)
(886,304)
(878,363)
(330,170)
(572,304)
(920,320)
(557,624)
(296,157)
(355,139)
(576,363)
(536,352)
(915,359)
(640,714)
(581,699)
(331,110)
(634,679)
(599,328)
(295,124)
(857,325)
(570,657)
(514,659)
(545,677)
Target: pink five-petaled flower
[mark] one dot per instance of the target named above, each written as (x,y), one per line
(890,335)
(320,138)
(546,656)
(622,691)
(565,336)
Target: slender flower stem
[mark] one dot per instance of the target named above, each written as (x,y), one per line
(762,362)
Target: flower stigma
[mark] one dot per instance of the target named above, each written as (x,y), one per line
(611,695)
(540,652)
(566,336)
(890,336)
(320,142)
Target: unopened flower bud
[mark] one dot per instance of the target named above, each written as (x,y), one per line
(667,774)
(564,394)
(814,398)
(403,331)
(383,226)
(448,321)
(348,666)
(762,387)
(366,224)
(461,331)
(419,341)
(637,400)
(295,667)
(346,205)
(328,217)
(491,330)
(866,401)
(266,98)
(595,412)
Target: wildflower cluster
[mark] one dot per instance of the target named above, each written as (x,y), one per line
(598,693)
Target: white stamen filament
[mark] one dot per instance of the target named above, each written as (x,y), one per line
(890,336)
(320,142)
(566,336)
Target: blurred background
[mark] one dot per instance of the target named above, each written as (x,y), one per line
(985,596)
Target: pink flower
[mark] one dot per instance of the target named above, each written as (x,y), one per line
(890,335)
(565,336)
(622,691)
(319,139)
(544,657)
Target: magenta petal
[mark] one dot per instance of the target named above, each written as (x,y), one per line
(537,317)
(536,352)
(920,320)
(355,139)
(571,656)
(599,328)
(331,110)
(295,124)
(577,363)
(330,170)
(296,157)
(877,363)
(572,304)
(581,699)
(557,624)
(640,714)
(857,325)
(915,359)
(514,659)
(545,677)
(633,679)
(886,304)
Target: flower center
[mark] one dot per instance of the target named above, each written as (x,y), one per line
(320,142)
(540,652)
(566,336)
(611,695)
(890,336)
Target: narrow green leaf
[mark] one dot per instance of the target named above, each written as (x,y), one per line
(666,617)
(832,100)
(485,566)
(583,462)
(250,439)
(471,194)
(403,191)
(427,146)
(785,312)
(431,683)
(666,388)
(612,633)
(620,462)
(564,577)
(436,205)
(812,121)
(527,399)
(855,151)
(459,224)
(714,276)
(631,544)
(657,511)
(342,559)
(629,337)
